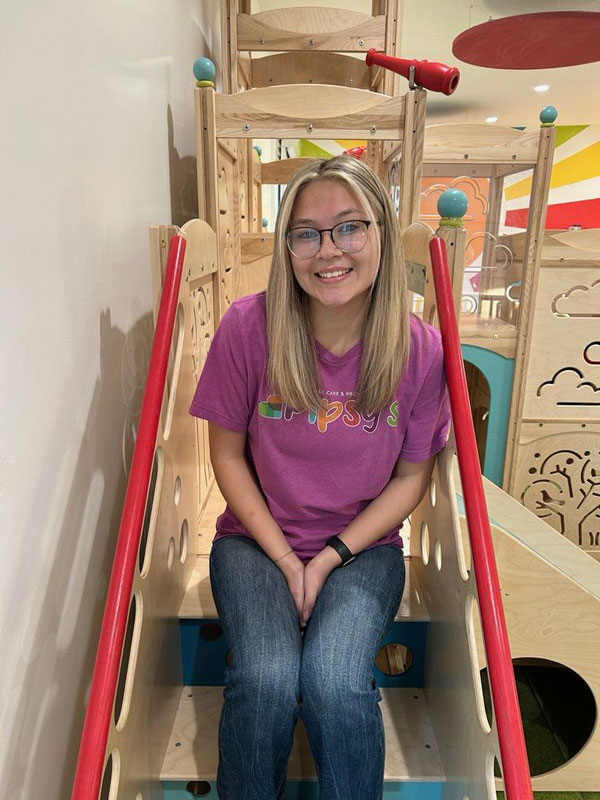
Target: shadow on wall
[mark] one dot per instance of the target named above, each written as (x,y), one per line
(182,179)
(55,683)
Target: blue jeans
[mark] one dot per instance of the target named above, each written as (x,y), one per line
(324,676)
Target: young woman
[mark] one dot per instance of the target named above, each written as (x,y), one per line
(326,403)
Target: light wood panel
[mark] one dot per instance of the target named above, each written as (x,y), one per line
(312,28)
(566,321)
(531,265)
(581,240)
(333,112)
(228,227)
(550,616)
(411,751)
(487,144)
(490,334)
(558,479)
(257,251)
(281,172)
(451,685)
(313,67)
(151,693)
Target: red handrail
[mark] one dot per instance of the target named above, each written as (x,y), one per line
(88,773)
(515,769)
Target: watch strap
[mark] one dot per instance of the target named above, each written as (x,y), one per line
(341,549)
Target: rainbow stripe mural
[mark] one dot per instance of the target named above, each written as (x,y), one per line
(574,187)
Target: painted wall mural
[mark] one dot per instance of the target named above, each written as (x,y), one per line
(574,187)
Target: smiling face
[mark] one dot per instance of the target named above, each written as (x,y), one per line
(324,204)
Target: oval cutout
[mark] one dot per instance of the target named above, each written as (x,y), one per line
(425,543)
(474,635)
(174,369)
(492,768)
(558,710)
(449,469)
(171,553)
(437,555)
(131,646)
(151,512)
(110,778)
(184,538)
(432,493)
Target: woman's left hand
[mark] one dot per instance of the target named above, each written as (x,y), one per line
(316,573)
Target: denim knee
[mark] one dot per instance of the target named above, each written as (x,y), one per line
(273,680)
(339,686)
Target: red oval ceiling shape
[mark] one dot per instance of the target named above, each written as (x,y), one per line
(532,41)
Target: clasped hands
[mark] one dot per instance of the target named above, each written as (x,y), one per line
(305,582)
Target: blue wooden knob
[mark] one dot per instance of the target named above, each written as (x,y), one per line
(452,203)
(204,69)
(548,115)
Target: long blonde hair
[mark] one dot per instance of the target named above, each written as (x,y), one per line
(292,362)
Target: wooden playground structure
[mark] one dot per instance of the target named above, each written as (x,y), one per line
(440,741)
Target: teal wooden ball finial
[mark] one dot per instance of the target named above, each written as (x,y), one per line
(548,115)
(258,150)
(204,72)
(265,222)
(452,206)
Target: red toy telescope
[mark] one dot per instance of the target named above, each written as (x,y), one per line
(429,74)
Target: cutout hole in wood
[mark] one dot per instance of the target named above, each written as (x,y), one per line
(425,543)
(475,637)
(557,706)
(151,512)
(394,659)
(432,493)
(198,788)
(211,631)
(184,538)
(437,554)
(171,553)
(110,779)
(129,656)
(173,370)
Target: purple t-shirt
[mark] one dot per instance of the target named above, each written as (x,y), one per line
(318,471)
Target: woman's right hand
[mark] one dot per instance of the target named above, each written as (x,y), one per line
(293,570)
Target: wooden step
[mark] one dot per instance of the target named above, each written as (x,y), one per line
(411,749)
(198,602)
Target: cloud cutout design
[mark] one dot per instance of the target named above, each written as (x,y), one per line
(579,301)
(568,388)
(592,353)
(501,254)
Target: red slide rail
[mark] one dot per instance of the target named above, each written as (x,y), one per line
(515,769)
(88,774)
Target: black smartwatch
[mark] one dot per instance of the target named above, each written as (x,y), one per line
(341,549)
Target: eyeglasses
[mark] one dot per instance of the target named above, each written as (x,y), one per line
(349,237)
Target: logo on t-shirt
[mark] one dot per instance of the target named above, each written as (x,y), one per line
(330,411)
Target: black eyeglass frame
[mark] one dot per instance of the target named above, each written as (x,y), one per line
(330,231)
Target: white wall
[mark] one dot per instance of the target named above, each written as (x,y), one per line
(97,143)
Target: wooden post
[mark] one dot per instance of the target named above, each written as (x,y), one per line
(538,204)
(229,12)
(393,41)
(455,239)
(206,149)
(411,164)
